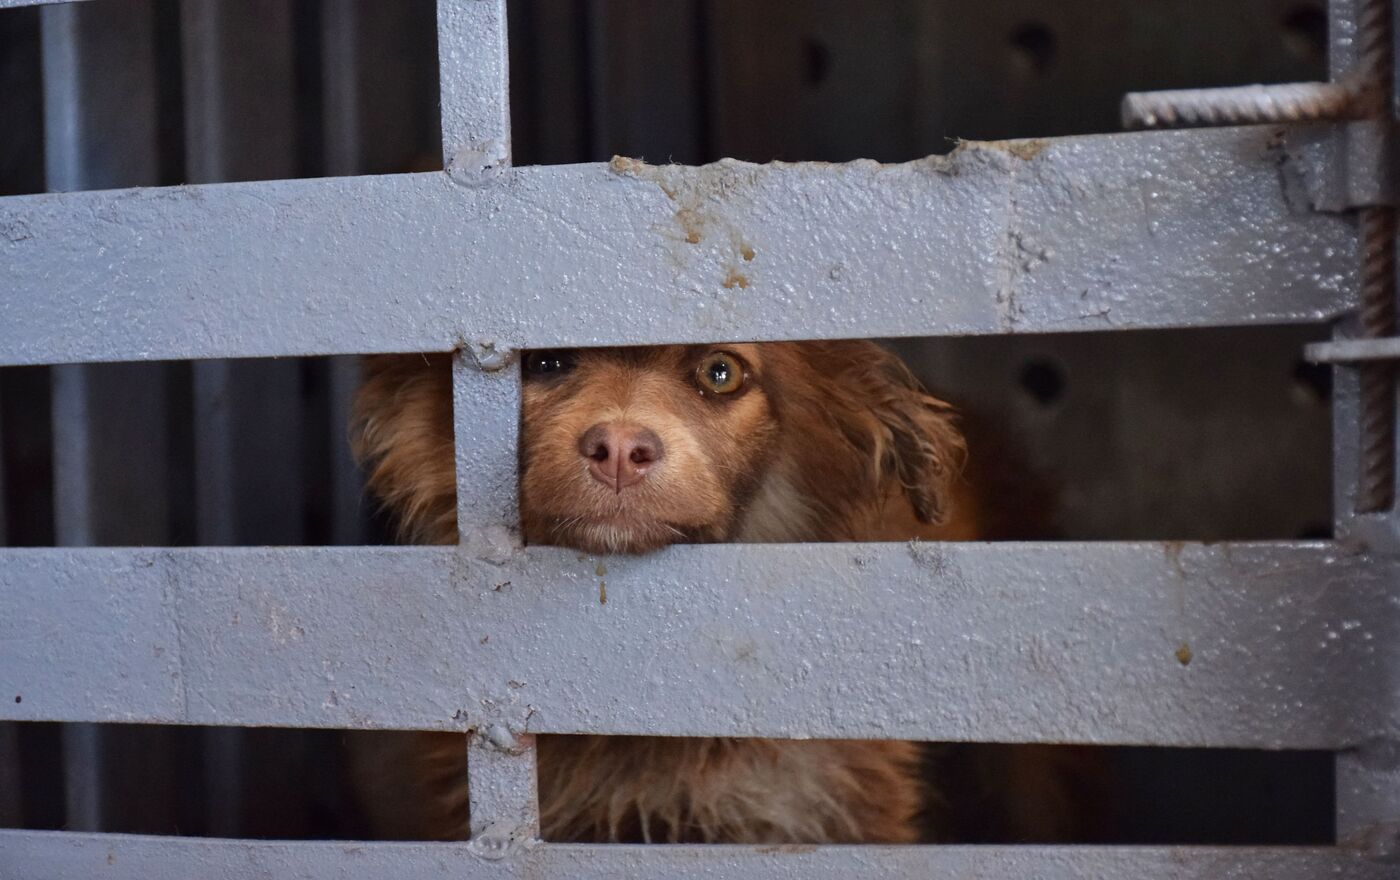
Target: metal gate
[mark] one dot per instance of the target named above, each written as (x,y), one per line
(1268,645)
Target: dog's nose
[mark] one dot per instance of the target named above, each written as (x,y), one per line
(619,455)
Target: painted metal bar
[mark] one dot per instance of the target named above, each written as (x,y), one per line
(100,128)
(40,855)
(1249,645)
(505,811)
(4,522)
(1105,232)
(486,416)
(474,81)
(1368,797)
(241,125)
(100,131)
(15,4)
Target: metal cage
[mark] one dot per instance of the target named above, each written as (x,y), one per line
(1291,644)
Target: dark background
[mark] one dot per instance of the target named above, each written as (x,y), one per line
(1207,435)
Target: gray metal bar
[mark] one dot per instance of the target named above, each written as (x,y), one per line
(240,111)
(474,79)
(100,127)
(39,855)
(1108,232)
(347,117)
(100,131)
(505,811)
(1354,350)
(1368,794)
(342,86)
(486,426)
(83,763)
(11,801)
(4,523)
(1251,645)
(15,4)
(1343,47)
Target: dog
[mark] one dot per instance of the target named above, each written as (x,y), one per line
(627,450)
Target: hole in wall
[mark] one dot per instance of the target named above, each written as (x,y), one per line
(1043,379)
(1034,46)
(1305,32)
(816,62)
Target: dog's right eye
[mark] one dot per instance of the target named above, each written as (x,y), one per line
(549,362)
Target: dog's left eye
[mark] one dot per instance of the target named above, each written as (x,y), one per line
(721,373)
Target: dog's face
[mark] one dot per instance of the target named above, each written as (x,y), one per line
(624,450)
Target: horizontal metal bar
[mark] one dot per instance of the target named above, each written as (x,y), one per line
(1254,645)
(15,4)
(50,855)
(1353,350)
(1116,231)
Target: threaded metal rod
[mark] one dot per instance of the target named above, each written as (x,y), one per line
(1375,488)
(1242,105)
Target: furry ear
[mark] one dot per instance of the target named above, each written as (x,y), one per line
(402,434)
(909,436)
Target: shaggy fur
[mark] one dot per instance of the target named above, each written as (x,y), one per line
(824,441)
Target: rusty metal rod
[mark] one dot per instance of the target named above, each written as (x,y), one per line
(1243,105)
(1375,489)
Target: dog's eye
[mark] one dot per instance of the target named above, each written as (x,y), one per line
(721,373)
(543,363)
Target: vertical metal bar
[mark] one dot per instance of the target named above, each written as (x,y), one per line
(343,23)
(1376,478)
(240,125)
(501,783)
(100,131)
(11,801)
(4,522)
(213,454)
(486,424)
(99,95)
(1368,795)
(82,745)
(1364,415)
(240,108)
(474,82)
(341,85)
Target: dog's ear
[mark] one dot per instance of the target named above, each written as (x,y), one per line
(909,436)
(402,435)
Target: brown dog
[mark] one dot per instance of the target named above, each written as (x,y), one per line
(626,451)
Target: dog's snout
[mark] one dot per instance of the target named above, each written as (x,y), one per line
(619,455)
